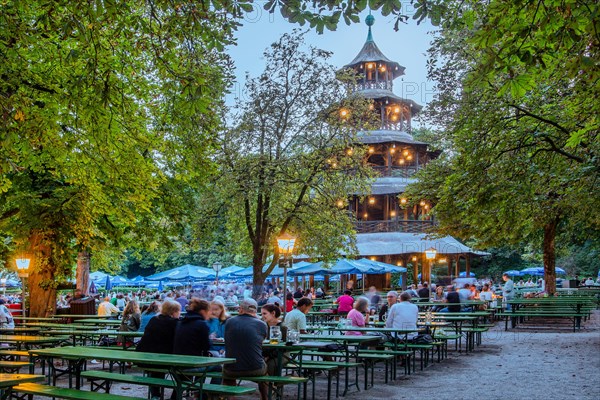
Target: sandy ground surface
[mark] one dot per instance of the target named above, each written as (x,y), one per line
(550,362)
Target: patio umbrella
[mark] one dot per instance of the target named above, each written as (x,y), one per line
(186,272)
(93,289)
(464,274)
(98,276)
(560,271)
(107,284)
(534,271)
(120,281)
(160,286)
(513,272)
(226,272)
(386,267)
(308,269)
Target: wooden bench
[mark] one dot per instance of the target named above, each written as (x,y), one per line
(63,393)
(13,367)
(276,383)
(211,390)
(514,316)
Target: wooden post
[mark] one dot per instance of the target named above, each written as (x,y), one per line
(468,265)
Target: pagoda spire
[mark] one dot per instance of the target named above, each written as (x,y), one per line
(370,20)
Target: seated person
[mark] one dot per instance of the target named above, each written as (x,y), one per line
(403,315)
(296,319)
(452,300)
(244,335)
(270,313)
(191,332)
(159,336)
(358,315)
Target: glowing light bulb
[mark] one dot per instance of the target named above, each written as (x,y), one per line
(405,152)
(392,213)
(371,150)
(403,200)
(422,203)
(371,200)
(409,157)
(340,203)
(343,113)
(401,161)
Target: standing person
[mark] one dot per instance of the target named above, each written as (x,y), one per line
(191,332)
(106,308)
(508,290)
(404,315)
(296,319)
(358,315)
(392,298)
(345,302)
(159,336)
(131,321)
(216,327)
(244,337)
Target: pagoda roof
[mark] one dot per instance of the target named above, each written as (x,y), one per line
(386,136)
(389,243)
(371,53)
(387,94)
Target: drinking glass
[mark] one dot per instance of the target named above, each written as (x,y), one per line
(275,335)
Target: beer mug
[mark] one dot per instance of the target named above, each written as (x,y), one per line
(274,335)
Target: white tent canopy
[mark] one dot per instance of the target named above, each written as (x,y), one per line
(390,243)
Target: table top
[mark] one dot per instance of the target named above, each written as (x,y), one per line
(18,330)
(28,339)
(101,332)
(99,321)
(58,326)
(340,338)
(10,380)
(173,360)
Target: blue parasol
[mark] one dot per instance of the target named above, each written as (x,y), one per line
(107,284)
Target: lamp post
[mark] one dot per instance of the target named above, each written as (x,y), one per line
(217,268)
(430,255)
(3,282)
(286,244)
(23,271)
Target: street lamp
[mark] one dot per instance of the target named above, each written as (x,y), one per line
(286,244)
(217,267)
(23,271)
(430,256)
(3,282)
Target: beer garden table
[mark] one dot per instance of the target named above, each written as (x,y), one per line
(7,381)
(28,340)
(176,364)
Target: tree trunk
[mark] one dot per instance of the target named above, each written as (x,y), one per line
(550,256)
(42,294)
(83,272)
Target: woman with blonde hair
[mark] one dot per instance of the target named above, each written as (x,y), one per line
(216,326)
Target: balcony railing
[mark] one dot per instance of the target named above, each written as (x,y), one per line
(393,226)
(381,85)
(395,171)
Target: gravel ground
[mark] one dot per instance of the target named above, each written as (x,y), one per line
(530,363)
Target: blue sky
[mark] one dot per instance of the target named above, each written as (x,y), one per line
(407,46)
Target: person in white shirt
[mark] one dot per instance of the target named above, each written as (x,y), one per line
(106,308)
(403,315)
(296,319)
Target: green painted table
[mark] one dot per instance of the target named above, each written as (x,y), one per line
(7,381)
(19,331)
(84,335)
(94,321)
(28,340)
(176,364)
(346,341)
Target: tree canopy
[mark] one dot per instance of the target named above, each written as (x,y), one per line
(289,158)
(517,101)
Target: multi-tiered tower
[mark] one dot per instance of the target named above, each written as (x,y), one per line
(390,227)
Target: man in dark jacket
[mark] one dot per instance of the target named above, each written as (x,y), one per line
(424,292)
(453,300)
(191,333)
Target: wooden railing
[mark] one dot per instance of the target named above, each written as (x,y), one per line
(409,226)
(396,171)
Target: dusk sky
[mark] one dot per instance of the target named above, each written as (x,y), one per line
(407,46)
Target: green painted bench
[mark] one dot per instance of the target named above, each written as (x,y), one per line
(211,390)
(63,393)
(514,316)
